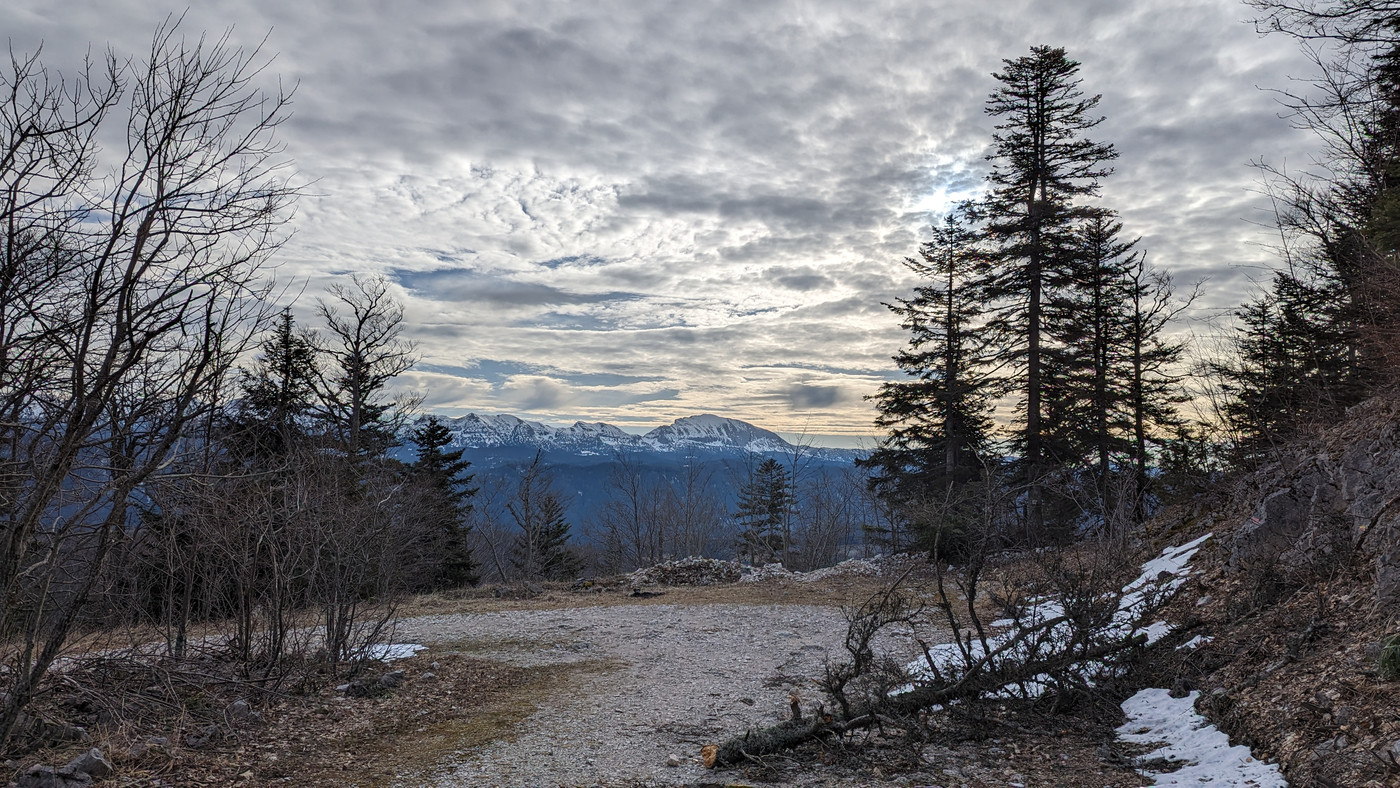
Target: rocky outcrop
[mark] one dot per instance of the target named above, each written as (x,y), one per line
(1328,498)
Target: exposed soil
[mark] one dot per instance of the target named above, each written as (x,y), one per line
(1291,668)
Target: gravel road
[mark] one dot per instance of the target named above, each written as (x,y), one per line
(661,680)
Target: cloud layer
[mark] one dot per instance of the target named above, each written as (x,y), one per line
(632,212)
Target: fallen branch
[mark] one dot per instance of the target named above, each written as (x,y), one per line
(791,733)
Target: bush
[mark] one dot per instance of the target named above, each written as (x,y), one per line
(1389,663)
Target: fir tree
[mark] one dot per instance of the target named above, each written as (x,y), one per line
(1087,316)
(1041,164)
(278,393)
(765,502)
(541,549)
(1154,377)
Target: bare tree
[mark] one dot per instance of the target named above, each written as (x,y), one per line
(128,285)
(694,513)
(632,521)
(363,342)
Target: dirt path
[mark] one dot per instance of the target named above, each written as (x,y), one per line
(637,684)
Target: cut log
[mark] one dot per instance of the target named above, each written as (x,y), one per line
(763,741)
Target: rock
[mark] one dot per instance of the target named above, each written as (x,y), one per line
(428,676)
(1279,522)
(239,710)
(206,736)
(93,763)
(675,761)
(687,572)
(343,687)
(392,679)
(435,666)
(49,777)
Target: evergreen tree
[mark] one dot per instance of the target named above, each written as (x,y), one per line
(1154,391)
(1086,315)
(1324,333)
(278,393)
(365,351)
(765,502)
(444,473)
(939,420)
(541,549)
(1293,366)
(1041,164)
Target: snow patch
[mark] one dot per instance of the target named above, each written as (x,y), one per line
(1199,640)
(388,652)
(1155,717)
(1159,579)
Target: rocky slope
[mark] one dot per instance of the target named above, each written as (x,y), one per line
(1301,592)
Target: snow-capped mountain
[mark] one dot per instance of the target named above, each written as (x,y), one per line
(582,458)
(714,432)
(706,433)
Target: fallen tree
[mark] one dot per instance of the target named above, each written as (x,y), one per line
(1072,642)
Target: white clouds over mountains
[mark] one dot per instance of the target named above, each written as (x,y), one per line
(631,212)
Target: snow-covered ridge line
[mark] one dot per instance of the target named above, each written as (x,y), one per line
(706,432)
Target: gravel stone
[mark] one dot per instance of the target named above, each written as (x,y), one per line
(680,679)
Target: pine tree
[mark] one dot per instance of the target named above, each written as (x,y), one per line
(444,473)
(939,420)
(1041,164)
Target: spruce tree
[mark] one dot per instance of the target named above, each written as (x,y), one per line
(938,420)
(445,475)
(1041,164)
(1153,373)
(279,392)
(541,549)
(765,502)
(1087,317)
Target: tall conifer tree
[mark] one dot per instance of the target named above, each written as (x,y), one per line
(1041,164)
(938,419)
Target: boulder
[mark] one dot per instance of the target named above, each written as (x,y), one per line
(39,776)
(239,710)
(93,763)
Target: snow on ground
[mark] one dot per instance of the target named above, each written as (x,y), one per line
(1160,578)
(388,652)
(1155,717)
(1199,640)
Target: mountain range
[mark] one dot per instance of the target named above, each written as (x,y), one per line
(582,457)
(706,434)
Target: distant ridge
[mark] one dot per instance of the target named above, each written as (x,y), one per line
(706,433)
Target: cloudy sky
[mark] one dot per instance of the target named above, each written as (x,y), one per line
(635,210)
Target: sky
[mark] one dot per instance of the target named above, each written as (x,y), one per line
(632,211)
